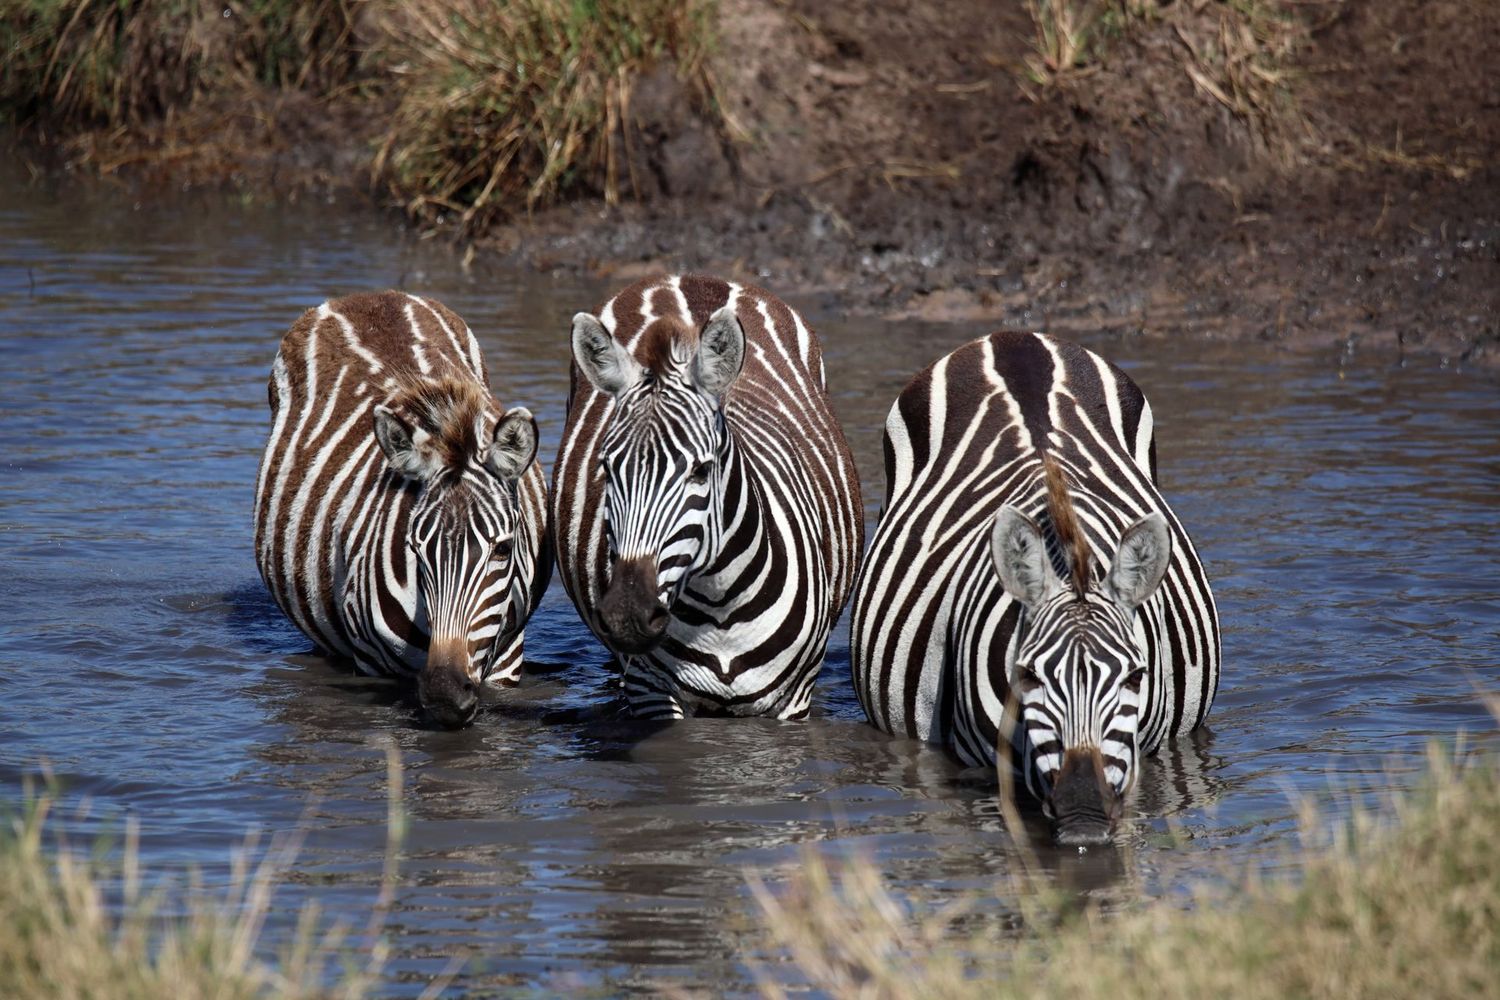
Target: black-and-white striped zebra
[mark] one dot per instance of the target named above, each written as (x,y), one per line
(705,503)
(400,516)
(1025,553)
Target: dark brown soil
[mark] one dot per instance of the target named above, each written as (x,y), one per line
(897,160)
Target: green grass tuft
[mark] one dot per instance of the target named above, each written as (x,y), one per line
(520,103)
(474,109)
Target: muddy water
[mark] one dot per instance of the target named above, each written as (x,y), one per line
(1347,514)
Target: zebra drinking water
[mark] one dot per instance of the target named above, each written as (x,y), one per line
(706,505)
(399,512)
(1027,583)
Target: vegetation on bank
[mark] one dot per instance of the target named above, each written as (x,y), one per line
(524,102)
(1237,54)
(472,110)
(1384,910)
(74,64)
(469,108)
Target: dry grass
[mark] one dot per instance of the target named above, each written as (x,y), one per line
(520,103)
(1459,166)
(480,108)
(1237,54)
(1065,39)
(73,924)
(107,63)
(1383,909)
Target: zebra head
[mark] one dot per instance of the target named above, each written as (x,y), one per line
(461,534)
(663,453)
(1079,669)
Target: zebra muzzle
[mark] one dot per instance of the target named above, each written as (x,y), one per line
(631,611)
(449,695)
(1083,804)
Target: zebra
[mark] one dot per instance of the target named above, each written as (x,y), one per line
(399,512)
(1018,467)
(705,503)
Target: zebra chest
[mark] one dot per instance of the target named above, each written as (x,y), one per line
(747,601)
(717,646)
(747,658)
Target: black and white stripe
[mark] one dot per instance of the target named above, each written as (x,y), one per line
(962,603)
(399,514)
(705,501)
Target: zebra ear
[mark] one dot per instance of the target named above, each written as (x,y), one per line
(1140,562)
(721,353)
(408,448)
(1020,554)
(605,362)
(514,447)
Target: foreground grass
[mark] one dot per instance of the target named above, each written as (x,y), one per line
(1405,906)
(1406,910)
(73,924)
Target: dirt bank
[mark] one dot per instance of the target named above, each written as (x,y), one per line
(1323,173)
(901,162)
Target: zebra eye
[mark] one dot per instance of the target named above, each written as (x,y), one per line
(502,549)
(700,472)
(1027,680)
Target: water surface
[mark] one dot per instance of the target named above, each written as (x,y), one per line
(1346,514)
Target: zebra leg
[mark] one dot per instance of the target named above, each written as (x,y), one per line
(367,658)
(798,700)
(505,664)
(649,693)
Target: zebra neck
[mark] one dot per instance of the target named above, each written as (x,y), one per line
(736,533)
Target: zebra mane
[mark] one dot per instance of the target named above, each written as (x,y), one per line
(450,410)
(1070,538)
(667,344)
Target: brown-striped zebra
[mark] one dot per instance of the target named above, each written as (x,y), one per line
(705,503)
(1027,578)
(400,516)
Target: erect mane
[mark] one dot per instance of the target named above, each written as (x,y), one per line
(450,410)
(1070,537)
(666,344)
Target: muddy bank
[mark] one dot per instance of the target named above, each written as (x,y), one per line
(902,164)
(1324,173)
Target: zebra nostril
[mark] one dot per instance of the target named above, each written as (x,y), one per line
(657,619)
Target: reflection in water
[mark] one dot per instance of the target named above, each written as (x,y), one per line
(555,843)
(1180,777)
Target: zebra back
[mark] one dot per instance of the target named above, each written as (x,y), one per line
(932,630)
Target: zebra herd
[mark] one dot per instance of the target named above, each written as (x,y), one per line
(1028,598)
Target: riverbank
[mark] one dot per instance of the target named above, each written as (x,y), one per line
(1324,173)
